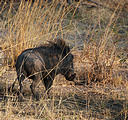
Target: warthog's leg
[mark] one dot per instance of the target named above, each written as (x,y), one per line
(48,81)
(11,88)
(20,80)
(36,80)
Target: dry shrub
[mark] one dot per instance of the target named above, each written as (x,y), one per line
(92,68)
(97,61)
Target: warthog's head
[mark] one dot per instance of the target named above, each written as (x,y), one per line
(66,67)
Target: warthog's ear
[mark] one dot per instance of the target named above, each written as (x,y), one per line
(60,43)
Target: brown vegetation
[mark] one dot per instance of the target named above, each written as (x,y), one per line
(96,30)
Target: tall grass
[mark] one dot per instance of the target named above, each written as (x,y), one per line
(28,24)
(32,24)
(99,55)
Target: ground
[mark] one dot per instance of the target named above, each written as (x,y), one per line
(67,101)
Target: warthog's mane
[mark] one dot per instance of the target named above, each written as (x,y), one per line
(58,45)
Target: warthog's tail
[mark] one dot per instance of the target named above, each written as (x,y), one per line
(10,89)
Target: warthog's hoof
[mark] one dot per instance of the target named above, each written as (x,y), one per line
(36,97)
(20,97)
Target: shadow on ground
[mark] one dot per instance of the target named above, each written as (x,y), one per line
(81,101)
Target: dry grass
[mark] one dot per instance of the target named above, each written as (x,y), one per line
(31,25)
(27,24)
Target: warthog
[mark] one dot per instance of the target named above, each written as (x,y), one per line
(44,63)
